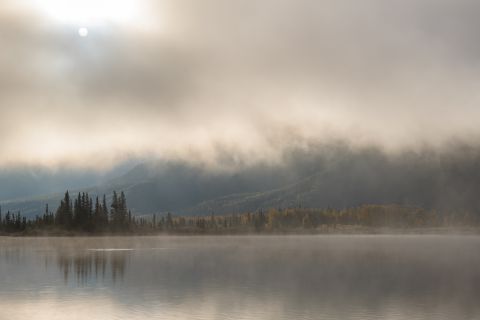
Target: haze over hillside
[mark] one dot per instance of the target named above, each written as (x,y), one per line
(323,176)
(27,181)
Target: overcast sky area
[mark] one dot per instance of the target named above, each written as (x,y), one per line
(183,79)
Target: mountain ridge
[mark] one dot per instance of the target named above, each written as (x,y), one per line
(337,177)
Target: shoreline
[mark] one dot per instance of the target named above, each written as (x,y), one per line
(339,230)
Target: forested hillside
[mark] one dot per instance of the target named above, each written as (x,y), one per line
(338,177)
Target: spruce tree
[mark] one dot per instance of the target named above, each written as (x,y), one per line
(97,215)
(63,216)
(114,210)
(123,212)
(104,212)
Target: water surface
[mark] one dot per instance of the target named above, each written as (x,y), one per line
(245,277)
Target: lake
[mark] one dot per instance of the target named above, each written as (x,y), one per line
(241,277)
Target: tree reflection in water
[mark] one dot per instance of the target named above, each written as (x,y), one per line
(92,265)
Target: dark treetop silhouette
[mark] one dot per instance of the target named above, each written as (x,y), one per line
(85,215)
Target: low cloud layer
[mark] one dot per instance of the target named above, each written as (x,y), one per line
(197,80)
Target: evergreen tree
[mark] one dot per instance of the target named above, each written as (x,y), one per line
(104,212)
(123,211)
(114,211)
(97,216)
(64,214)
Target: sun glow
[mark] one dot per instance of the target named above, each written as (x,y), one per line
(92,12)
(83,32)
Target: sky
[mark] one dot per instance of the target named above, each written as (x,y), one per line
(90,84)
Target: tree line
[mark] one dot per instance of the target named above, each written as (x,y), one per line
(312,220)
(81,214)
(85,214)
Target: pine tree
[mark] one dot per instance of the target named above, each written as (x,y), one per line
(123,212)
(114,211)
(76,211)
(104,212)
(64,214)
(97,215)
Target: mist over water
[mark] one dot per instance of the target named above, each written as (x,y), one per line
(294,277)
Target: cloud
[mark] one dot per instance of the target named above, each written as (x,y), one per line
(251,77)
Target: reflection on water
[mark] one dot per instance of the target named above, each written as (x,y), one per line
(305,277)
(88,264)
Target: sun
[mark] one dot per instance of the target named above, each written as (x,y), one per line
(83,32)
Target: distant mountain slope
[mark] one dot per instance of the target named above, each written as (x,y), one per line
(162,187)
(29,189)
(30,182)
(443,184)
(171,187)
(335,177)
